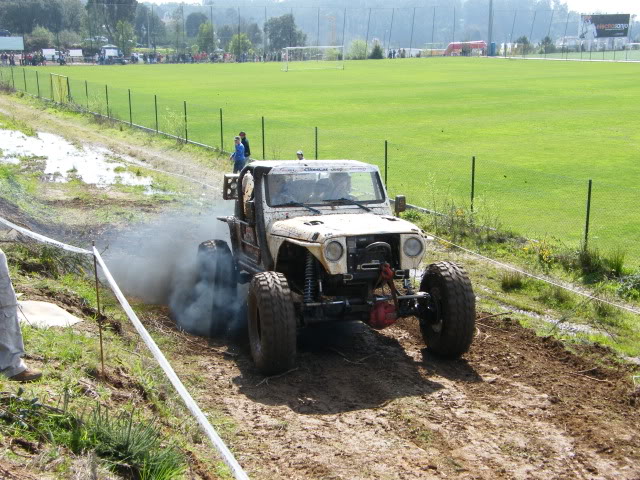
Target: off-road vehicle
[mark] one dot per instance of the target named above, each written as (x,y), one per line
(318,242)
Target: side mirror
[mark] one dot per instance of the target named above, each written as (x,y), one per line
(400,204)
(230,187)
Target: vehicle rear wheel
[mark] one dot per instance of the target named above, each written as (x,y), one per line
(272,323)
(217,269)
(447,323)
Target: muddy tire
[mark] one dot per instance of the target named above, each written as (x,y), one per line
(448,322)
(272,323)
(216,267)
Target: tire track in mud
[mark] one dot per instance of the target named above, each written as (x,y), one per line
(363,404)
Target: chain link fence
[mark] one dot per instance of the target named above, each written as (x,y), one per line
(506,198)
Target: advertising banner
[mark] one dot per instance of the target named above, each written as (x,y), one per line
(604,26)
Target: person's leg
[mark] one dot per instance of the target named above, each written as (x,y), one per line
(11,345)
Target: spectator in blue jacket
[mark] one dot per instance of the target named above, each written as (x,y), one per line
(238,156)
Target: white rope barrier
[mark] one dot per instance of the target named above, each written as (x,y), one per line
(43,239)
(531,275)
(218,443)
(193,407)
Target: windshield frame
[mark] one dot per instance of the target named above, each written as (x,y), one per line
(376,182)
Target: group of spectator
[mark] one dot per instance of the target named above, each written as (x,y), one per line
(242,152)
(8,59)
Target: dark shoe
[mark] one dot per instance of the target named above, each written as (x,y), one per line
(29,375)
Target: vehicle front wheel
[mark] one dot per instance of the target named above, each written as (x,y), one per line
(272,323)
(447,322)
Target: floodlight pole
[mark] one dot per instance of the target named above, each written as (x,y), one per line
(393,12)
(366,46)
(513,26)
(490,27)
(344,25)
(549,32)
(318,39)
(535,13)
(413,22)
(433,29)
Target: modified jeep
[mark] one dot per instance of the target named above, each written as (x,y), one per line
(318,242)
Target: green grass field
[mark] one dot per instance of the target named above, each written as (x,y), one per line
(539,130)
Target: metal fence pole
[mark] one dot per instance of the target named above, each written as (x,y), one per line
(51,87)
(155,102)
(130,112)
(386,166)
(186,125)
(586,226)
(263,157)
(221,132)
(13,80)
(69,98)
(473,180)
(38,83)
(86,92)
(24,78)
(106,94)
(316,143)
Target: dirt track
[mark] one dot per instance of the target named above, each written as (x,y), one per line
(375,405)
(363,404)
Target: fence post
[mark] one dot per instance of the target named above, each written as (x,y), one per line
(473,180)
(24,78)
(68,91)
(13,80)
(386,158)
(186,127)
(51,87)
(38,83)
(586,225)
(221,133)
(130,112)
(316,143)
(155,102)
(263,156)
(86,92)
(106,93)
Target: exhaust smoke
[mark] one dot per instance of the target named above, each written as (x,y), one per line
(159,263)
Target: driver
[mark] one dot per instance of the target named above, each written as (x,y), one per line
(280,191)
(340,186)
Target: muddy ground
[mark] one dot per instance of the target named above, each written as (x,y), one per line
(363,404)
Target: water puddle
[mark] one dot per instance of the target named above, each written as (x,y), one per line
(64,161)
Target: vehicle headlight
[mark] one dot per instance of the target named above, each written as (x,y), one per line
(412,247)
(333,251)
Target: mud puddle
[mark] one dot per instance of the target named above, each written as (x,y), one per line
(65,161)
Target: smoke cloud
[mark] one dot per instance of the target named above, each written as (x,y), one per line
(159,263)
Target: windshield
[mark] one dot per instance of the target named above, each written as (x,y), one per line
(319,188)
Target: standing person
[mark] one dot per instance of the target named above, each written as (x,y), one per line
(300,155)
(11,345)
(238,156)
(245,144)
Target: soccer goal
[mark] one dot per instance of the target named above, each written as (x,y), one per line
(59,88)
(313,58)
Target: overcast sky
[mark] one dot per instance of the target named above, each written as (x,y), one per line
(583,6)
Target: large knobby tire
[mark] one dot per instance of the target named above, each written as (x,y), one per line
(448,324)
(217,269)
(272,323)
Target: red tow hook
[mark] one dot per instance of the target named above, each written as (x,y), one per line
(384,314)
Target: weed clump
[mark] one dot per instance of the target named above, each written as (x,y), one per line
(511,280)
(132,448)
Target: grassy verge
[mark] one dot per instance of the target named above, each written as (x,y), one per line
(547,308)
(126,419)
